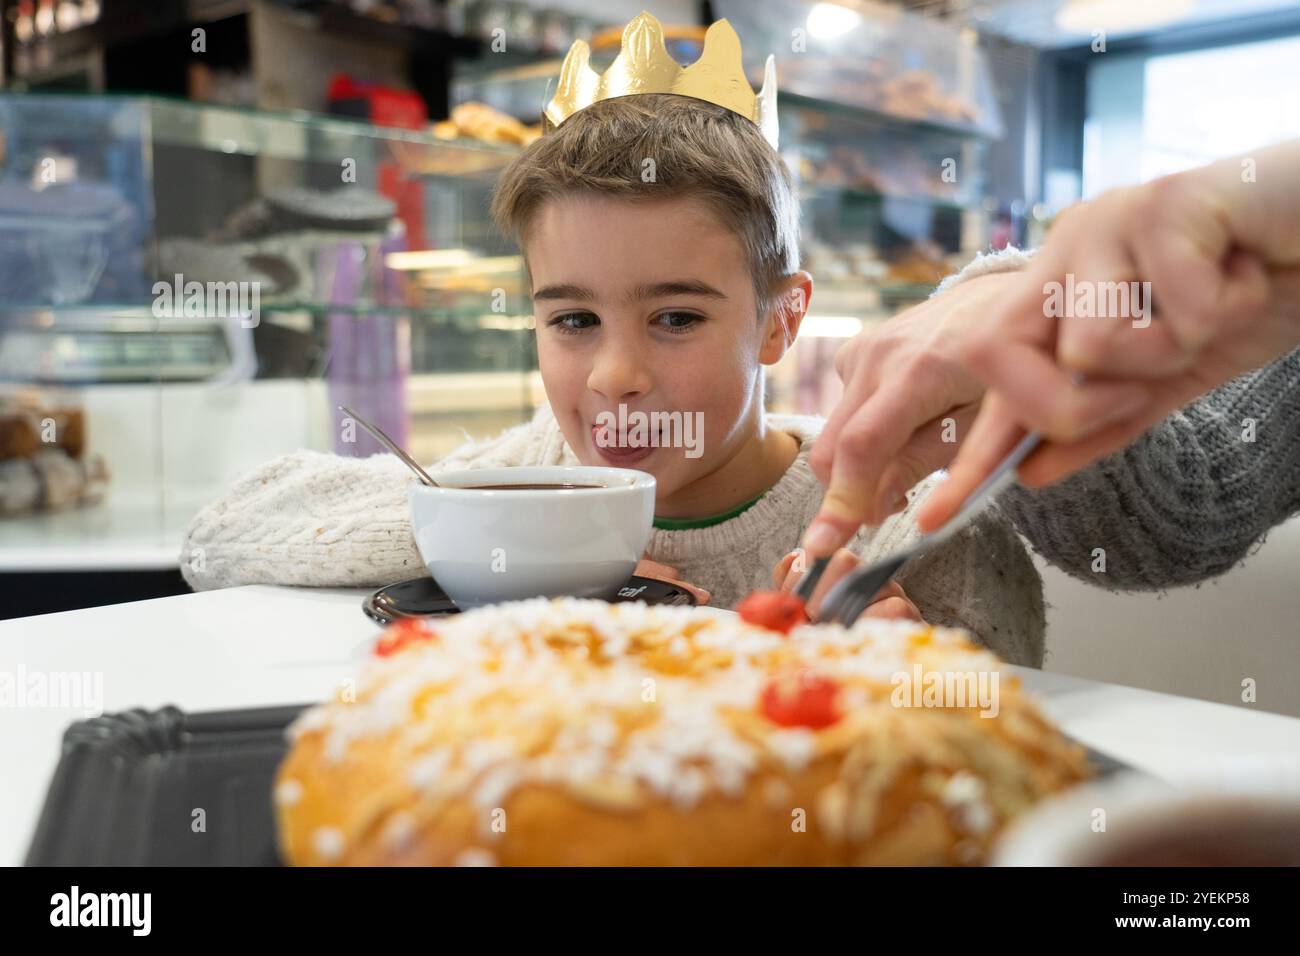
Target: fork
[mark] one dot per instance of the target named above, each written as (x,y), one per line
(852,593)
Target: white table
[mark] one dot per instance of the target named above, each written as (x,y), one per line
(261,646)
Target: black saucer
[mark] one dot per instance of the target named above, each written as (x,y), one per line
(421,597)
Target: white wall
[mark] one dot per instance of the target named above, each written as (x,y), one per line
(1195,641)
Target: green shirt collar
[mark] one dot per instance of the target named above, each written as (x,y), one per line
(689,524)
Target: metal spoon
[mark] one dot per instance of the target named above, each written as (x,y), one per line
(391,445)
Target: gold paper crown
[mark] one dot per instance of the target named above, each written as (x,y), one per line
(644,66)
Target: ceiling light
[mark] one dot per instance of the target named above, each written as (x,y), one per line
(826,21)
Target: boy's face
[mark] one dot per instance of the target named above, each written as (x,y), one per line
(650,306)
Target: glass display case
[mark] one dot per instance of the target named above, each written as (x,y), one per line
(885,120)
(187,291)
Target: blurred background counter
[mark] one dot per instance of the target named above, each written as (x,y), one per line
(220,219)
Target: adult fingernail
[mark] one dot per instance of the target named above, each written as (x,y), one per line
(1079,355)
(820,538)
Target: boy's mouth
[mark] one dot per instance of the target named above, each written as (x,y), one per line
(615,447)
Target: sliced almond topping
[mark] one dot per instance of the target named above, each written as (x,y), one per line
(609,793)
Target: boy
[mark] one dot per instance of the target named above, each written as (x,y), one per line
(659,293)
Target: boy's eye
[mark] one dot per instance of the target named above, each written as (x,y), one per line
(677,322)
(573,322)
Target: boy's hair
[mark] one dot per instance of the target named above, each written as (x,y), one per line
(699,150)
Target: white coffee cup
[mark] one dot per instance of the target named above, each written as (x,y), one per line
(1131,819)
(488,545)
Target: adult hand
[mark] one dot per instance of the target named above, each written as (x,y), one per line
(891,602)
(901,382)
(1220,251)
(661,572)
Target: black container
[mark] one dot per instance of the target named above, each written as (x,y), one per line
(165,788)
(129,788)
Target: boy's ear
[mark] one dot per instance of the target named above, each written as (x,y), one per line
(781,326)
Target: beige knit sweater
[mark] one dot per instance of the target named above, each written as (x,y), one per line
(323,520)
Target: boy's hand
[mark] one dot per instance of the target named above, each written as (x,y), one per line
(661,572)
(1222,256)
(887,432)
(891,602)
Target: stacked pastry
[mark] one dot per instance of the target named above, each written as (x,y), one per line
(43,460)
(479,121)
(572,732)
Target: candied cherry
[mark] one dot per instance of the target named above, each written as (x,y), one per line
(402,634)
(801,698)
(774,610)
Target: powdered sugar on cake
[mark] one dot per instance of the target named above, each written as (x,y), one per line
(620,704)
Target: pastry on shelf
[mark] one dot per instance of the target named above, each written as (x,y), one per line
(914,94)
(865,262)
(27,426)
(51,480)
(921,264)
(61,476)
(474,120)
(826,264)
(43,460)
(70,430)
(576,732)
(19,433)
(858,262)
(20,488)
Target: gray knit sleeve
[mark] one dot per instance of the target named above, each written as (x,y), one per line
(982,579)
(1187,500)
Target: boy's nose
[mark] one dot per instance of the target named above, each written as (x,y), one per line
(618,373)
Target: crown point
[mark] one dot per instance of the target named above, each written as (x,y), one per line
(642,28)
(766,103)
(768,88)
(718,76)
(721,47)
(643,65)
(721,28)
(577,84)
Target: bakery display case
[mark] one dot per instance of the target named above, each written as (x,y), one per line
(187,291)
(885,120)
(201,286)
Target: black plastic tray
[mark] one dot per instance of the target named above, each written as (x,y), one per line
(128,785)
